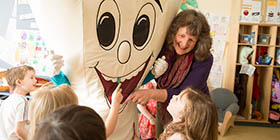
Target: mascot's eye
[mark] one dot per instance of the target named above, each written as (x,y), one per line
(108,24)
(144,26)
(106,29)
(141,30)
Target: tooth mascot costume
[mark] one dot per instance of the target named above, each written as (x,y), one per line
(104,42)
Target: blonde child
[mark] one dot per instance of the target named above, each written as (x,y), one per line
(46,100)
(71,122)
(14,110)
(50,97)
(194,117)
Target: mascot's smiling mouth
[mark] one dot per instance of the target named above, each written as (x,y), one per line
(127,86)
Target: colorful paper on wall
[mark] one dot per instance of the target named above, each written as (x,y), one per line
(31,50)
(278,12)
(251,11)
(218,29)
(272,9)
(21,46)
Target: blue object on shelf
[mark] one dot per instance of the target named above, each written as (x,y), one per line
(263,39)
(264,60)
(245,38)
(252,38)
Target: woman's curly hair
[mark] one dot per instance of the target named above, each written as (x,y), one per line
(197,26)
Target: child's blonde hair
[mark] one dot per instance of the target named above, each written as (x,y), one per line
(199,119)
(17,73)
(46,100)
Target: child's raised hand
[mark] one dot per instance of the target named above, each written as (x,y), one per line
(117,95)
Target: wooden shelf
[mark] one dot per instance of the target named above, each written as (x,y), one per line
(275,66)
(247,23)
(257,65)
(265,72)
(253,121)
(245,44)
(259,24)
(264,45)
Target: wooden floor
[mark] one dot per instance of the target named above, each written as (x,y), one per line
(241,132)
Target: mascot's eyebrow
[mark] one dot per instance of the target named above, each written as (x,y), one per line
(158,2)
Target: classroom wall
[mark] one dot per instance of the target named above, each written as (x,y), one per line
(222,7)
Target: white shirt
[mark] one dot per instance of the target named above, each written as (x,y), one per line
(12,110)
(175,136)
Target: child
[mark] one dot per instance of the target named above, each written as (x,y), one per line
(46,100)
(147,120)
(13,111)
(194,117)
(51,97)
(112,119)
(71,122)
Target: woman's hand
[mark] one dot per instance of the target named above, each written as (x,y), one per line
(160,67)
(56,63)
(142,96)
(139,96)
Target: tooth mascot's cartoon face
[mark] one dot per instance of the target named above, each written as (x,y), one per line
(104,42)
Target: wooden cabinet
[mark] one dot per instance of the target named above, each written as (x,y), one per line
(265,72)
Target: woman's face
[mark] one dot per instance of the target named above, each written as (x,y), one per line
(184,42)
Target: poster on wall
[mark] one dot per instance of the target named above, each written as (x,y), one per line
(25,18)
(251,11)
(20,42)
(31,50)
(271,12)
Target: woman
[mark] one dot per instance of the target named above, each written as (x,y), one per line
(187,52)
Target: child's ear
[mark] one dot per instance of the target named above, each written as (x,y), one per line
(18,82)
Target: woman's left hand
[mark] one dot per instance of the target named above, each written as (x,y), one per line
(139,97)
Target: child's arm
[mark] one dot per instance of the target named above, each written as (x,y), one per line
(111,121)
(146,113)
(21,131)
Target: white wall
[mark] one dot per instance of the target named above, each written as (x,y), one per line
(222,7)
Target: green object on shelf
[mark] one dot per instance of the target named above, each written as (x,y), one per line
(192,3)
